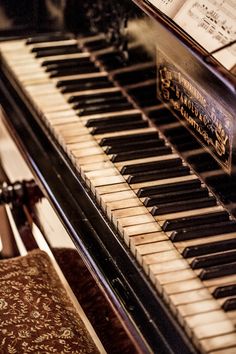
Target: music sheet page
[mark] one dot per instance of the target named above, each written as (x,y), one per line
(212,23)
(168,7)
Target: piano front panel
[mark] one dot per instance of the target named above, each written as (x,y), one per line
(103,113)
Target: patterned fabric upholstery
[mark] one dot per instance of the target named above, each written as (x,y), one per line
(36,314)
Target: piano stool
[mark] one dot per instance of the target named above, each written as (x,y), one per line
(37,315)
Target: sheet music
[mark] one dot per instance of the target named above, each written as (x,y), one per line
(227,57)
(212,23)
(168,7)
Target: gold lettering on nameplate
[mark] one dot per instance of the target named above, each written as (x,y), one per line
(198,112)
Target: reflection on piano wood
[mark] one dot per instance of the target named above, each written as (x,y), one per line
(103,114)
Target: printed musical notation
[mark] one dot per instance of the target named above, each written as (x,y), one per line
(212,23)
(227,57)
(168,7)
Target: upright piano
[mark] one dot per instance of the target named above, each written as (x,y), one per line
(123,114)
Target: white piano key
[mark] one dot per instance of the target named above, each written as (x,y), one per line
(198,307)
(109,190)
(231,350)
(62,114)
(116,200)
(166,267)
(51,44)
(142,239)
(105,181)
(95,150)
(213,329)
(130,215)
(213,283)
(55,108)
(219,342)
(134,220)
(137,186)
(176,276)
(12,46)
(209,317)
(190,296)
(45,90)
(102,173)
(99,166)
(163,256)
(133,206)
(62,120)
(135,230)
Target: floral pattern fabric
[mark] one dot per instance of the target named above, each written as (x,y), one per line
(36,315)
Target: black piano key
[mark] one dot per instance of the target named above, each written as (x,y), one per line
(150,166)
(53,51)
(218,271)
(49,37)
(132,146)
(86,86)
(132,155)
(56,47)
(88,102)
(203,162)
(169,187)
(119,127)
(183,206)
(194,220)
(139,55)
(161,116)
(116,119)
(107,108)
(68,82)
(72,70)
(180,130)
(224,291)
(182,138)
(135,76)
(117,140)
(94,95)
(208,248)
(158,174)
(69,61)
(70,65)
(213,260)
(190,233)
(97,44)
(175,196)
(145,96)
(229,305)
(114,60)
(187,145)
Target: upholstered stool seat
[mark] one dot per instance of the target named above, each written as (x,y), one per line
(36,314)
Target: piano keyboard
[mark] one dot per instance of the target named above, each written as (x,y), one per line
(181,236)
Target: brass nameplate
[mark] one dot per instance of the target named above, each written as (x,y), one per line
(210,123)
